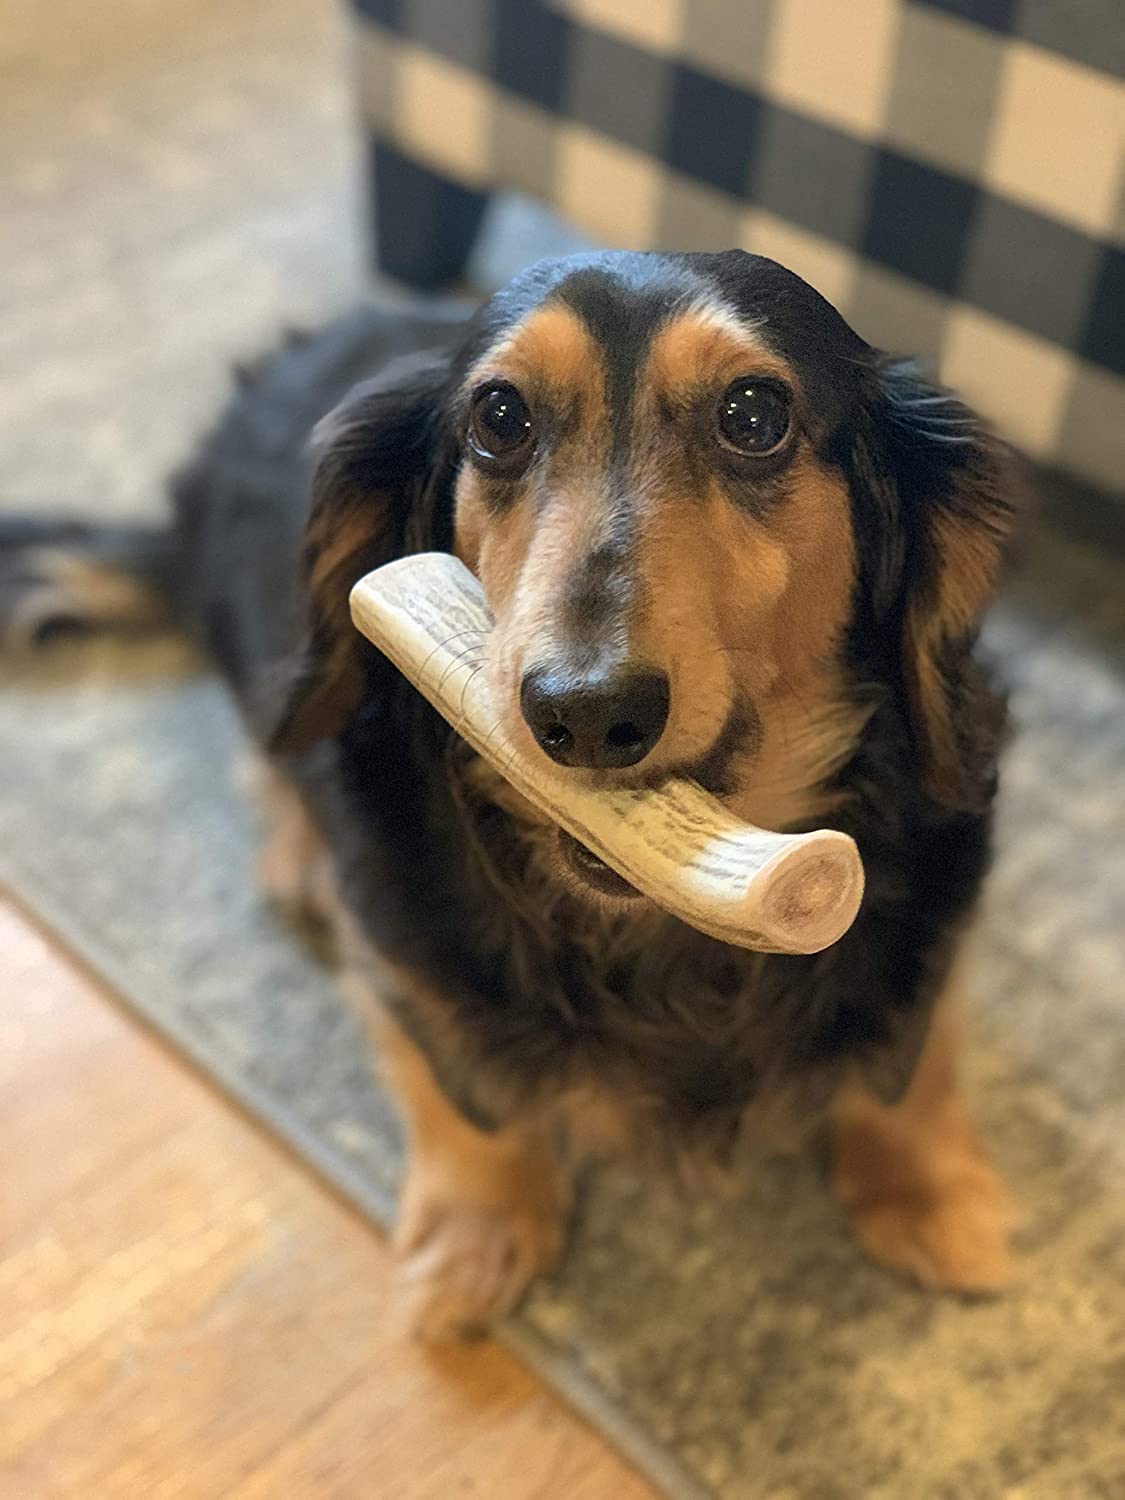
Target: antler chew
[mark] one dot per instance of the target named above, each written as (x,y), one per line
(774,892)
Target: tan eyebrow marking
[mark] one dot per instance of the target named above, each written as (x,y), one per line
(552,347)
(708,345)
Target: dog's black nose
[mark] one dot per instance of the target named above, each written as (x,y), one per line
(604,719)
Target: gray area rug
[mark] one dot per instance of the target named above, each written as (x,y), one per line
(746,1349)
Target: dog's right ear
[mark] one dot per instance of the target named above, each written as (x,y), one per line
(374,461)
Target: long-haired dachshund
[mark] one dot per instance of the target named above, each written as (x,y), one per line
(721,537)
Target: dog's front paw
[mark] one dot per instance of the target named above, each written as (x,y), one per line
(950,1231)
(468,1265)
(466,1259)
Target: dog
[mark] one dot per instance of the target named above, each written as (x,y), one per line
(721,537)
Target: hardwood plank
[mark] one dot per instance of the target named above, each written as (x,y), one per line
(188,1315)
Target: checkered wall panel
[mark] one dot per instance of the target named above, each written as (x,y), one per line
(950,173)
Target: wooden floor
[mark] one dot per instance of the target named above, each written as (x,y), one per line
(184,1312)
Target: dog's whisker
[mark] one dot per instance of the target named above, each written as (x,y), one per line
(456,663)
(441,646)
(805,707)
(474,668)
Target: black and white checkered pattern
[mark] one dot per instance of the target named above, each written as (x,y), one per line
(950,173)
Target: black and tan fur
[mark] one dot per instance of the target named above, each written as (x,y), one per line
(815,612)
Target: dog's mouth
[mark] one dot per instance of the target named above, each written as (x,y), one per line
(592,872)
(588,873)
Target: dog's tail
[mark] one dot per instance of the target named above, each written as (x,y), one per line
(65,575)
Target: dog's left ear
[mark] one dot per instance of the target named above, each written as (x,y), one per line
(948,494)
(376,466)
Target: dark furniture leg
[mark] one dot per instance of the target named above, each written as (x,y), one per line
(425,225)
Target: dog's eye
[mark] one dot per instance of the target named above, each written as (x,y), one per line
(754,416)
(500,426)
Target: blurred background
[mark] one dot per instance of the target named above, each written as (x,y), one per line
(181,181)
(181,178)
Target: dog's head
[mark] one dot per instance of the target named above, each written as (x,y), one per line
(704,513)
